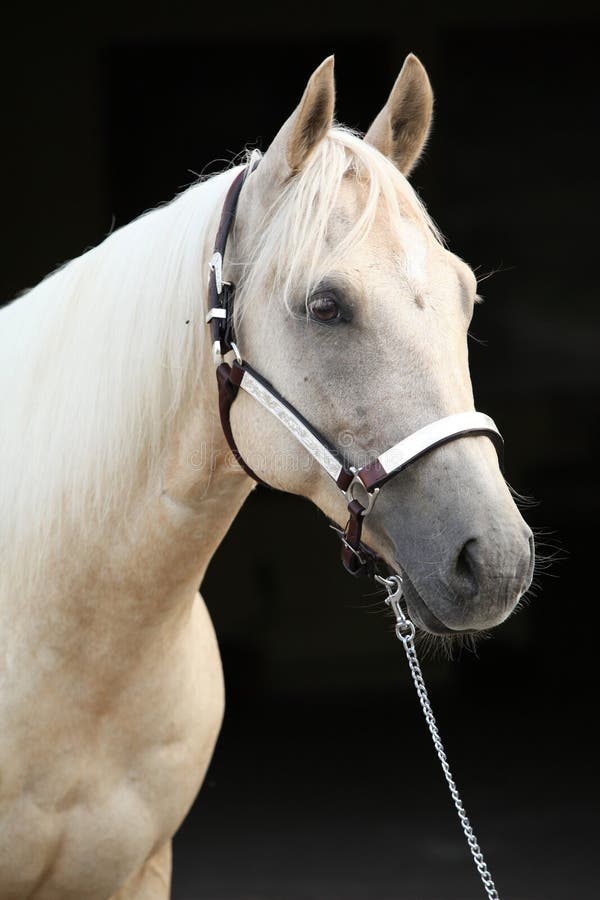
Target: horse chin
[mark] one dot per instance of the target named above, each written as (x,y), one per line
(419,612)
(421,615)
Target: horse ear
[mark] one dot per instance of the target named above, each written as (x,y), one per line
(401,128)
(303,131)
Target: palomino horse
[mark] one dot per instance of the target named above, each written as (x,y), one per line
(111,684)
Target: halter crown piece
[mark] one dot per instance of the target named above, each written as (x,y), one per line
(360,486)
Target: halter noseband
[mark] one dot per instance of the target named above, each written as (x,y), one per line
(360,486)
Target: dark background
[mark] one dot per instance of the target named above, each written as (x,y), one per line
(324,785)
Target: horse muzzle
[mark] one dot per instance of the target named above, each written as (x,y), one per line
(476,588)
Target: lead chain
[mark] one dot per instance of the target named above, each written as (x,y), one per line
(405,632)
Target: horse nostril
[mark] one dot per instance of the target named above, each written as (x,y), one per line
(465,569)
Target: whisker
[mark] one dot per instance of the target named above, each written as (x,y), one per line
(497,270)
(477,340)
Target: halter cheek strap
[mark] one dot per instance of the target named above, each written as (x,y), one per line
(220,293)
(360,486)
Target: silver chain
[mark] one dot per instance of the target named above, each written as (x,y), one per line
(405,632)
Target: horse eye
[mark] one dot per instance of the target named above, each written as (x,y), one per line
(324,308)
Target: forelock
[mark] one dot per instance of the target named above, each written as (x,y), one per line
(298,236)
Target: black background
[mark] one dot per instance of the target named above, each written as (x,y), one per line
(323,785)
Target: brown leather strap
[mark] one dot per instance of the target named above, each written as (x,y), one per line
(357,557)
(228,391)
(222,328)
(345,478)
(351,544)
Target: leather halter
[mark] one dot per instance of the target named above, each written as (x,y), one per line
(360,486)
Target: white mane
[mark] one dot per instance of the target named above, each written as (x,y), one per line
(98,358)
(95,362)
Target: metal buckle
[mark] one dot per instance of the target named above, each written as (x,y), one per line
(216,265)
(216,312)
(353,550)
(371,495)
(342,536)
(219,356)
(236,352)
(405,630)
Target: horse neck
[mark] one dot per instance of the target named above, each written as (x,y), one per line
(162,502)
(160,550)
(200,491)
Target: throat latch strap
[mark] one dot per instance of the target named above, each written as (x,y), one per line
(228,381)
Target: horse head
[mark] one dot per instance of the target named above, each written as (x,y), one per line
(350,303)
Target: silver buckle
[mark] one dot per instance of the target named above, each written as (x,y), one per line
(219,356)
(342,536)
(370,495)
(216,312)
(236,352)
(216,266)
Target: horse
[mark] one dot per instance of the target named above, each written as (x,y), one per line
(118,483)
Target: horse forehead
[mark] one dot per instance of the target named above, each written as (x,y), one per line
(402,247)
(410,252)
